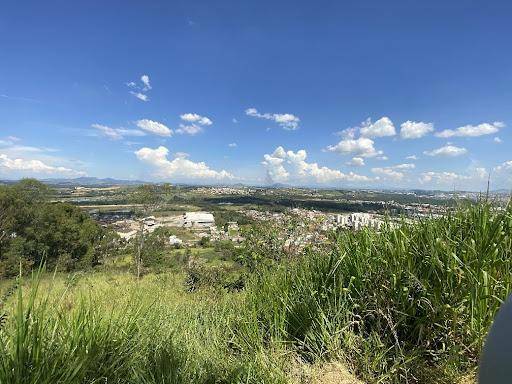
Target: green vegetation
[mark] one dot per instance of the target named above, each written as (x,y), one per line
(33,229)
(410,304)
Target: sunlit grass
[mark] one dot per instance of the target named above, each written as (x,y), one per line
(407,305)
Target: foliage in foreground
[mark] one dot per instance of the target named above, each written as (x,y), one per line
(124,332)
(407,305)
(410,304)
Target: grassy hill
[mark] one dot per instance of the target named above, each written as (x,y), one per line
(408,305)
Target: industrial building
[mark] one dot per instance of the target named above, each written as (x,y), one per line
(198,220)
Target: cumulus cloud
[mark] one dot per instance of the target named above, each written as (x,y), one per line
(415,129)
(180,167)
(349,133)
(289,166)
(497,140)
(447,150)
(356,162)
(394,172)
(37,167)
(389,173)
(506,166)
(195,124)
(450,179)
(472,130)
(412,157)
(361,147)
(285,120)
(195,118)
(232,145)
(381,128)
(116,133)
(191,129)
(154,127)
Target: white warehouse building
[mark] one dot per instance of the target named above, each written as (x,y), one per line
(198,220)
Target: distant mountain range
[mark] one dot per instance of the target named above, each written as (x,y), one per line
(84,181)
(92,181)
(98,182)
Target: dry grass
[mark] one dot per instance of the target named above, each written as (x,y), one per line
(321,373)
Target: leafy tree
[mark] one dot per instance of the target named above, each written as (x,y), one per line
(34,230)
(147,197)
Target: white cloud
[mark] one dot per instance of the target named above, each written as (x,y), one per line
(349,133)
(472,130)
(404,166)
(195,118)
(361,147)
(285,120)
(180,167)
(145,81)
(140,96)
(32,166)
(383,158)
(389,173)
(447,150)
(412,157)
(497,140)
(191,129)
(140,90)
(415,129)
(506,166)
(356,162)
(195,124)
(154,127)
(234,120)
(394,172)
(116,133)
(289,166)
(381,128)
(474,177)
(232,145)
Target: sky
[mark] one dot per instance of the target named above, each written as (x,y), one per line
(346,94)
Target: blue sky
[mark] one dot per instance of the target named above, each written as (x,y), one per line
(341,93)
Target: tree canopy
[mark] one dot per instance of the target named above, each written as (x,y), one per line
(33,229)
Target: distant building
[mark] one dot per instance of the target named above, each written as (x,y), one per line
(174,240)
(198,220)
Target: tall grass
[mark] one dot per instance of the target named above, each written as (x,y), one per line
(113,329)
(411,304)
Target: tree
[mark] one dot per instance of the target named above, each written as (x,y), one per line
(147,197)
(34,229)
